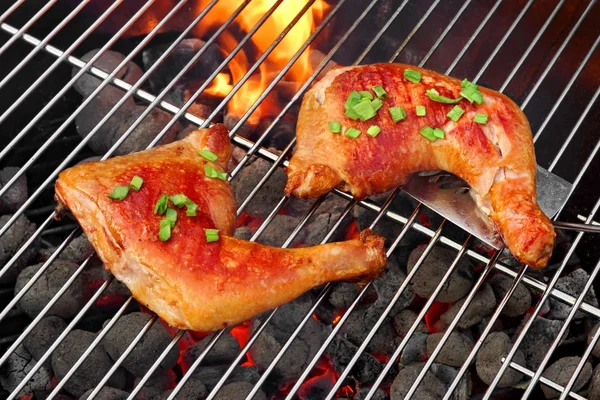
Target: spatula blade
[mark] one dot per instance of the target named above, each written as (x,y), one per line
(449,196)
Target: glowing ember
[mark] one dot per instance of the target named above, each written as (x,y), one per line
(433,315)
(241,333)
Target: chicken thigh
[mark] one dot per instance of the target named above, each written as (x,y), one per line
(493,152)
(167,250)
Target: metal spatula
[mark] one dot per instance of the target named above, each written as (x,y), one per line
(449,196)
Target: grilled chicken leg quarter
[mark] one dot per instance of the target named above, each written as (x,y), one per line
(188,280)
(495,158)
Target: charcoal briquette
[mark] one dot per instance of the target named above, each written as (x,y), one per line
(16,195)
(367,367)
(482,305)
(78,250)
(192,390)
(18,364)
(561,371)
(538,339)
(403,320)
(239,390)
(106,393)
(429,388)
(415,349)
(47,285)
(455,350)
(10,243)
(92,371)
(489,360)
(223,352)
(380,394)
(518,303)
(210,375)
(43,335)
(146,351)
(571,284)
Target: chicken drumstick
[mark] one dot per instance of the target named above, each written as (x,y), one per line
(166,249)
(493,152)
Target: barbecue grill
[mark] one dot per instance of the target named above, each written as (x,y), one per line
(542,54)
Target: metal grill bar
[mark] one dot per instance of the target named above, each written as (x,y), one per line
(27,25)
(381,212)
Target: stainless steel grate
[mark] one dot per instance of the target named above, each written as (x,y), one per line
(433,56)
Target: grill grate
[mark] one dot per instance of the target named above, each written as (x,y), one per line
(547,288)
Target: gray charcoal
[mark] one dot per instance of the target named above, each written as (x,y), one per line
(404,320)
(488,360)
(147,350)
(343,294)
(379,394)
(192,390)
(430,387)
(359,324)
(415,349)
(447,374)
(278,230)
(389,283)
(210,375)
(107,62)
(433,269)
(572,284)
(594,389)
(17,366)
(481,306)
(519,302)
(243,232)
(156,386)
(596,349)
(16,195)
(92,371)
(239,390)
(270,193)
(207,63)
(367,367)
(224,351)
(78,250)
(43,336)
(325,218)
(538,340)
(455,350)
(560,372)
(14,238)
(48,284)
(106,393)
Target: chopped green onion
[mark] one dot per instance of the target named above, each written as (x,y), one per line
(374,130)
(455,113)
(438,133)
(428,133)
(350,113)
(413,76)
(164,232)
(397,113)
(481,118)
(119,193)
(209,155)
(365,94)
(353,98)
(179,200)
(472,93)
(136,183)
(191,209)
(421,111)
(466,83)
(212,235)
(171,216)
(161,205)
(335,127)
(353,133)
(380,92)
(376,103)
(213,173)
(435,96)
(365,110)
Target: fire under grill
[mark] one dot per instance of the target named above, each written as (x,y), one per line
(450,318)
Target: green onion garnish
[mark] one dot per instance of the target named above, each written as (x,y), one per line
(164,232)
(376,103)
(428,133)
(191,208)
(119,193)
(171,216)
(179,200)
(136,183)
(471,92)
(213,173)
(435,96)
(374,130)
(455,113)
(466,83)
(212,235)
(380,92)
(353,133)
(438,133)
(413,76)
(421,111)
(365,110)
(481,118)
(353,98)
(335,127)
(350,113)
(397,113)
(209,155)
(161,205)
(365,94)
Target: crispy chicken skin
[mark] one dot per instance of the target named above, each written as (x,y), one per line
(188,282)
(496,159)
